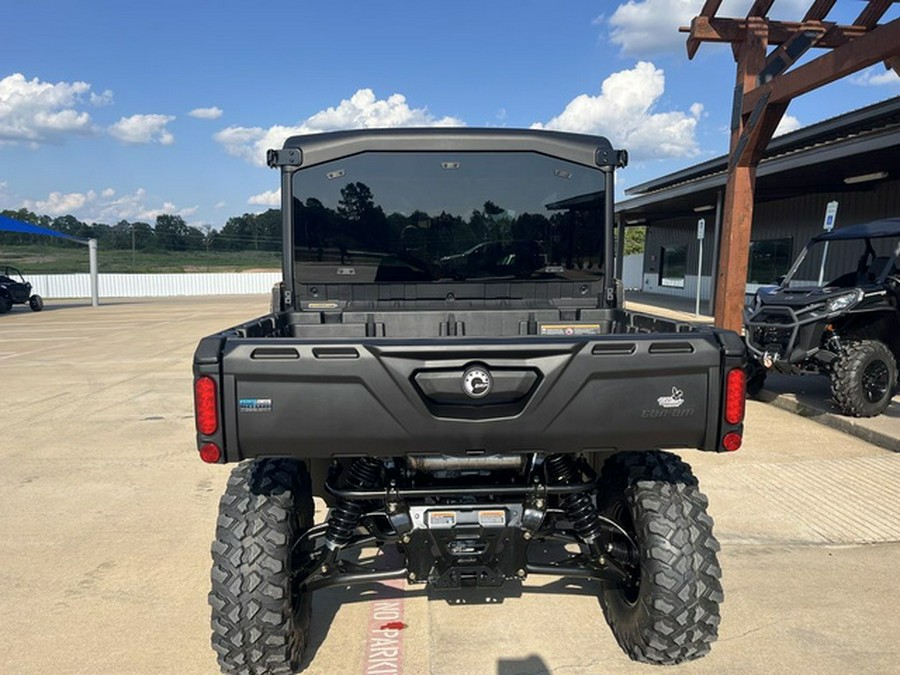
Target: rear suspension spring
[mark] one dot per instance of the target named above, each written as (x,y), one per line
(364,474)
(579,507)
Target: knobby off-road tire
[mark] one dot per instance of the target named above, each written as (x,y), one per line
(863,378)
(5,304)
(36,303)
(672,614)
(260,621)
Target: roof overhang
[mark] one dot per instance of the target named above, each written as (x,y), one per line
(817,169)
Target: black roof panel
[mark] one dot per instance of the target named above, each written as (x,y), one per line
(578,148)
(886,227)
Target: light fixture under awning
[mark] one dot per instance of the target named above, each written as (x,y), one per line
(865,177)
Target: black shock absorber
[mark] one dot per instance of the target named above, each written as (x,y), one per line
(344,517)
(579,507)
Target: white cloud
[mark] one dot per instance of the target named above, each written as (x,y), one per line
(651,26)
(624,113)
(99,100)
(362,110)
(787,124)
(60,204)
(876,76)
(270,198)
(105,207)
(38,112)
(646,27)
(134,206)
(139,129)
(212,113)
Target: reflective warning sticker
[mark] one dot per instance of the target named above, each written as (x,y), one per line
(441,518)
(568,329)
(492,518)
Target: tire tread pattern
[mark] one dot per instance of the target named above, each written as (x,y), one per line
(847,374)
(257,625)
(675,617)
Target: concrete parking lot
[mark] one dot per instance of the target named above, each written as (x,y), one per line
(106,517)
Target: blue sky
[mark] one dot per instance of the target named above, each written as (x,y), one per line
(125,110)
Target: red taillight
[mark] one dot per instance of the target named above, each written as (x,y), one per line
(735,395)
(206,405)
(732,441)
(210,453)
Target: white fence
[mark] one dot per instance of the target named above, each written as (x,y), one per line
(237,283)
(153,285)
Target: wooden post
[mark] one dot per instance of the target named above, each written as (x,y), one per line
(764,88)
(734,246)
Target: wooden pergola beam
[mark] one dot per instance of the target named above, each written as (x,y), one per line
(818,10)
(710,7)
(706,29)
(878,44)
(785,55)
(872,13)
(760,8)
(893,62)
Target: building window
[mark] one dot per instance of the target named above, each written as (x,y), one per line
(769,259)
(673,266)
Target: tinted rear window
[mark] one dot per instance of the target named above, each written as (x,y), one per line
(434,216)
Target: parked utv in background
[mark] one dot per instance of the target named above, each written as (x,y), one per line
(847,328)
(14,290)
(449,366)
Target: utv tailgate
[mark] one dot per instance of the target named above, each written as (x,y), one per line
(307,398)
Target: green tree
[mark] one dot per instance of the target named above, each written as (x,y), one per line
(72,226)
(120,236)
(171,232)
(268,228)
(194,239)
(634,239)
(144,236)
(24,216)
(237,234)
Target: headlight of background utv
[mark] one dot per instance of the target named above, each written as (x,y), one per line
(843,302)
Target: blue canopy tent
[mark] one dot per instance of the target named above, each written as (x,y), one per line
(8,224)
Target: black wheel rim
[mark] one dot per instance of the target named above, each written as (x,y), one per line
(625,552)
(875,381)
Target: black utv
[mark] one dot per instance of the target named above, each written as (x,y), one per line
(449,366)
(823,318)
(14,290)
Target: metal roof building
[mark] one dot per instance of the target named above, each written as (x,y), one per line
(853,159)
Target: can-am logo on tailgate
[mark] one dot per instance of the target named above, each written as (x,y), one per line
(477,382)
(676,400)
